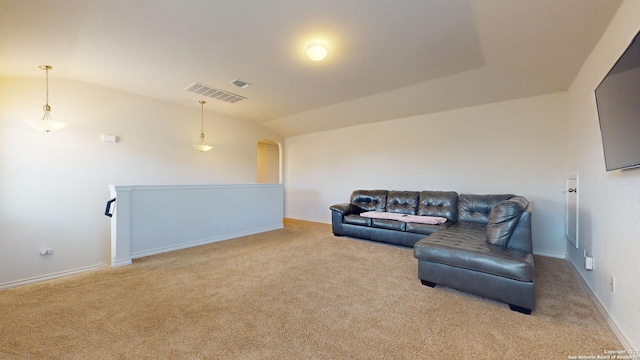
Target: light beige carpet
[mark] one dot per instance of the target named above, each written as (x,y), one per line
(296,293)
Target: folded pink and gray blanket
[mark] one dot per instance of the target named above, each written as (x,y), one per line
(435,220)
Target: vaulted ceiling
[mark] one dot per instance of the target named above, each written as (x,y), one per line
(387,59)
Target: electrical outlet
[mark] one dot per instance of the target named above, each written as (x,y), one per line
(214,222)
(612,284)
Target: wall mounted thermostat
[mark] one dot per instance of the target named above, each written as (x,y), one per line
(108,138)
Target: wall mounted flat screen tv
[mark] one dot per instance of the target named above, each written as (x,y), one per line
(618,101)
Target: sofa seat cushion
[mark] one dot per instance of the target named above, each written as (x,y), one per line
(356,220)
(464,245)
(389,224)
(428,229)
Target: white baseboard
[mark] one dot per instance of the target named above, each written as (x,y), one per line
(612,324)
(121,262)
(49,276)
(308,219)
(549,254)
(128,261)
(535,252)
(149,252)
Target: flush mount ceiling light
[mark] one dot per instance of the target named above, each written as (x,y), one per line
(46,124)
(201,146)
(316,51)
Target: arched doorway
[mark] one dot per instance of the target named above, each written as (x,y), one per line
(269,165)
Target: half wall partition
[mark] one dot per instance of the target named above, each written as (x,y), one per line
(149,220)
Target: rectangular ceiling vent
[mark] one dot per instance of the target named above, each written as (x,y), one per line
(240,83)
(214,93)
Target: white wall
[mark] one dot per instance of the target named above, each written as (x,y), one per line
(509,147)
(53,187)
(609,201)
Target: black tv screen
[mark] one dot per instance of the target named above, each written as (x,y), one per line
(618,101)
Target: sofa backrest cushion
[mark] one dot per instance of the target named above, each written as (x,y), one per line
(439,203)
(503,218)
(370,200)
(476,208)
(403,202)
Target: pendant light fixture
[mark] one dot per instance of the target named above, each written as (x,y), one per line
(46,124)
(201,145)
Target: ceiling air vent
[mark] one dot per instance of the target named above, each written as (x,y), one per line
(214,93)
(240,83)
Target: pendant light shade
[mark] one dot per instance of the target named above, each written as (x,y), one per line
(201,146)
(46,124)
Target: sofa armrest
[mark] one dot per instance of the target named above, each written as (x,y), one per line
(338,212)
(521,238)
(346,209)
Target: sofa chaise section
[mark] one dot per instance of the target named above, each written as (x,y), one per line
(474,257)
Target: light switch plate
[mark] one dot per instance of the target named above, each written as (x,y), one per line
(588,263)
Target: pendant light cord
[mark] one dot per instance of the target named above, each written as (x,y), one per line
(202,102)
(46,68)
(47,84)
